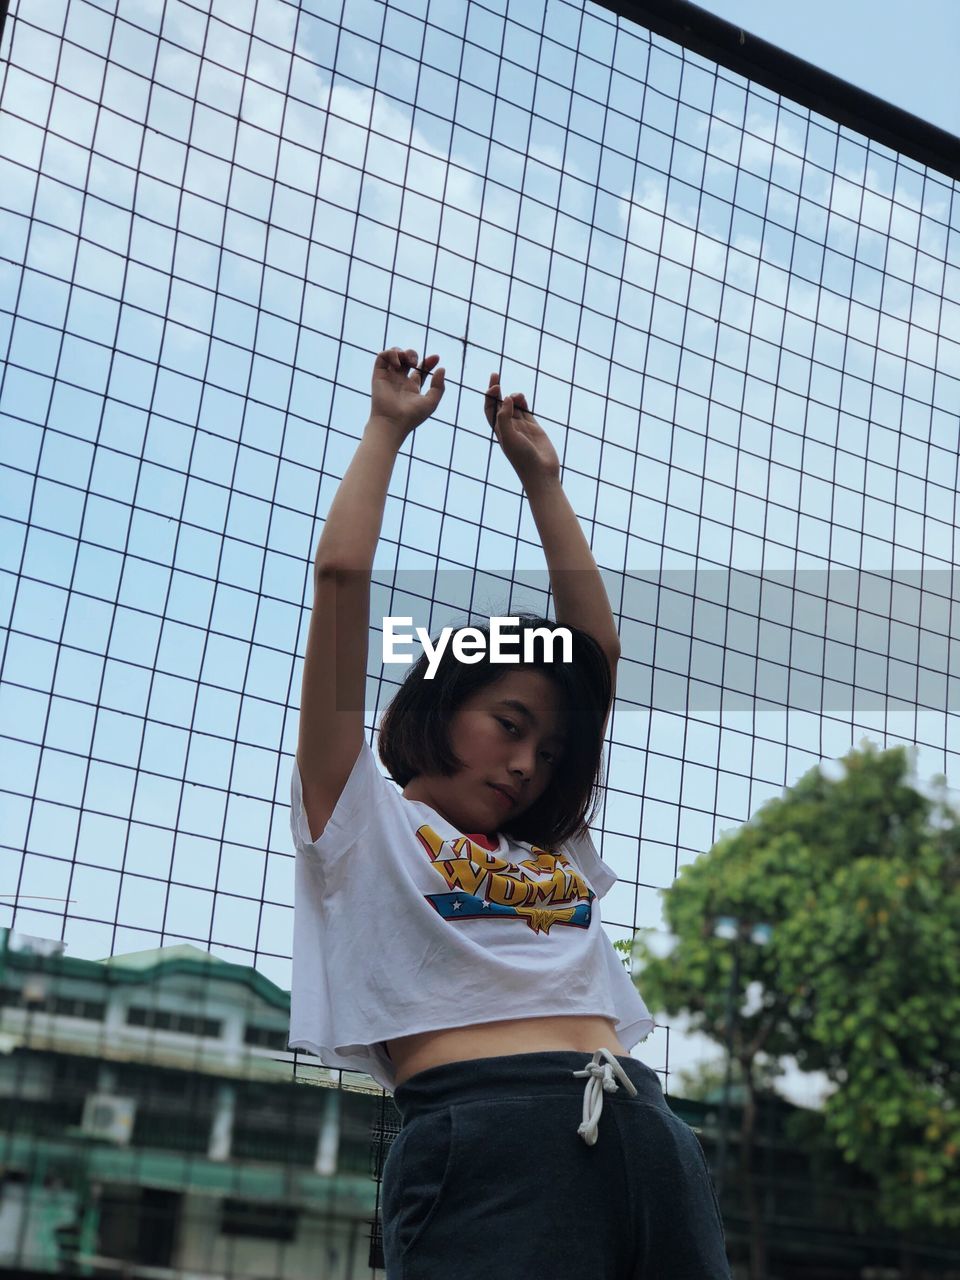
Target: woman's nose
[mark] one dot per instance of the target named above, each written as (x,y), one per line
(524,760)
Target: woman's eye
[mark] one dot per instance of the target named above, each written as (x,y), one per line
(510,725)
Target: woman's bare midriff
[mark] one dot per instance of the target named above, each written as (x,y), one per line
(582,1033)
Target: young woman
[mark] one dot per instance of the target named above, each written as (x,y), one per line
(446,938)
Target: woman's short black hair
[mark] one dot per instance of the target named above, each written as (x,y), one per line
(413,737)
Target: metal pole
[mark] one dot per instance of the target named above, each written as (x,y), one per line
(728,1036)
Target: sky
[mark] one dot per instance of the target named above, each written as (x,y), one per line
(863,42)
(190,301)
(911,63)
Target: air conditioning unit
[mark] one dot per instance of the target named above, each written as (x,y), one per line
(109,1116)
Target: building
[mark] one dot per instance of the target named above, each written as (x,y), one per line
(155,1125)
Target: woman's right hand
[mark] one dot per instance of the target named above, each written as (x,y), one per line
(397,400)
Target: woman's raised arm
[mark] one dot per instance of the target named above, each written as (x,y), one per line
(335,664)
(578,590)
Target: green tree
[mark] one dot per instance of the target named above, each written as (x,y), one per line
(859,877)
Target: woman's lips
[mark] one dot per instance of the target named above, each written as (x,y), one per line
(502,794)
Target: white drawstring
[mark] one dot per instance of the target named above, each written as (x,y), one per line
(600,1081)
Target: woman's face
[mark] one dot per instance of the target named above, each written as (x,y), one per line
(499,744)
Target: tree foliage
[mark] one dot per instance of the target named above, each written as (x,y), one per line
(859,877)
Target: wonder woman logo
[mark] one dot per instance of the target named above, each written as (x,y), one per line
(543,890)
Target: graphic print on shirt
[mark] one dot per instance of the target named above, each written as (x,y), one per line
(543,890)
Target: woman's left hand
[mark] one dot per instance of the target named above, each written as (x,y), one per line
(521,437)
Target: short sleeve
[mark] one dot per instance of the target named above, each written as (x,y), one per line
(361,793)
(601,876)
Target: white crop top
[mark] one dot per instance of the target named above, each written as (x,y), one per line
(403,924)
